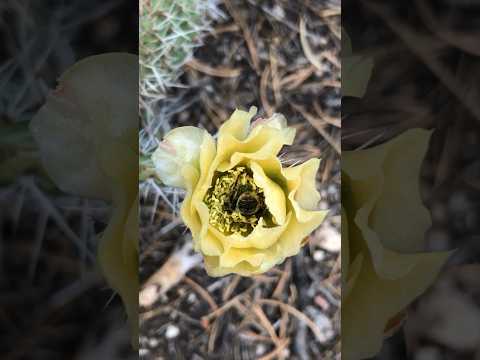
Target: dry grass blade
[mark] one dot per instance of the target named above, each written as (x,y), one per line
(246,34)
(219,71)
(202,292)
(231,303)
(329,12)
(253,336)
(213,336)
(293,81)
(313,58)
(327,118)
(283,279)
(269,110)
(317,124)
(231,287)
(275,76)
(266,324)
(277,352)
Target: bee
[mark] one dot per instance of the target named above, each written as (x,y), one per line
(248,203)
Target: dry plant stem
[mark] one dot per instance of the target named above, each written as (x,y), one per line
(329,162)
(316,123)
(283,279)
(277,352)
(233,302)
(213,336)
(219,71)
(275,78)
(293,81)
(266,324)
(298,314)
(231,287)
(250,335)
(225,28)
(283,324)
(313,58)
(269,110)
(329,12)
(246,33)
(328,119)
(170,274)
(202,292)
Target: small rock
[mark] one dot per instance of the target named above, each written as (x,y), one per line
(153,342)
(322,303)
(260,349)
(278,11)
(330,239)
(286,353)
(192,298)
(324,324)
(319,255)
(323,205)
(172,332)
(143,352)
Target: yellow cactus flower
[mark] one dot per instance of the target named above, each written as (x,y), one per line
(87,133)
(383,228)
(245,211)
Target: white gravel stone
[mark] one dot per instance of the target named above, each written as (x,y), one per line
(330,239)
(153,342)
(319,255)
(172,332)
(260,350)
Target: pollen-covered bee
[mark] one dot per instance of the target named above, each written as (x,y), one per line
(248,203)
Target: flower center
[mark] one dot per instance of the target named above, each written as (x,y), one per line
(235,202)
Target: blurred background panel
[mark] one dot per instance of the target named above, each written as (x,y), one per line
(54,303)
(425,75)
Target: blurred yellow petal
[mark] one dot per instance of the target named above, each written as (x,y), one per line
(356,70)
(87,133)
(384,227)
(401,226)
(118,260)
(102,86)
(60,124)
(373,301)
